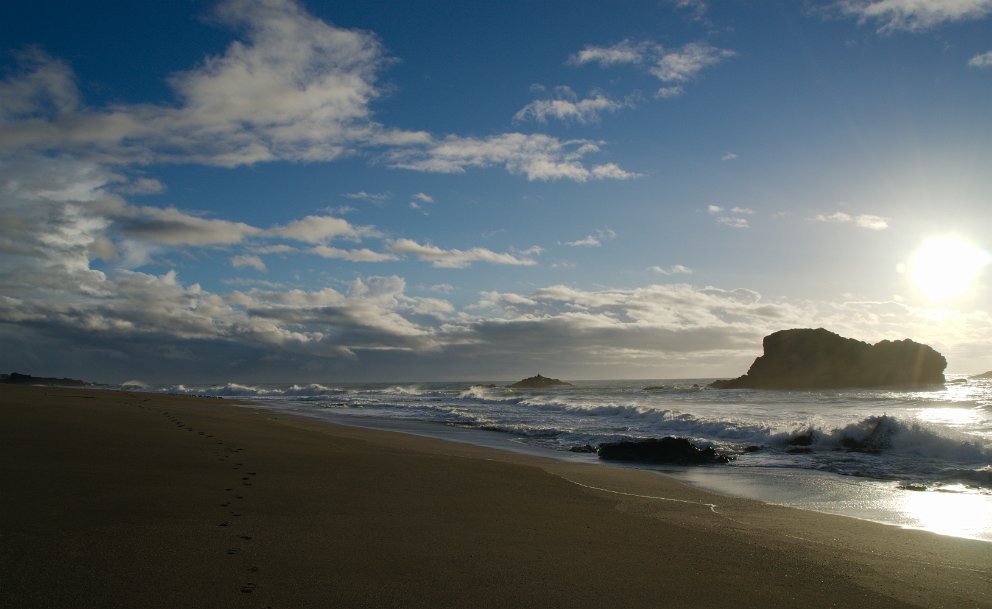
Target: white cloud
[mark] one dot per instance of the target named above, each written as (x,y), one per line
(675,269)
(247,260)
(623,52)
(423,197)
(141,186)
(565,106)
(747,211)
(733,222)
(914,15)
(594,240)
(320,229)
(372,197)
(982,60)
(455,258)
(868,221)
(713,209)
(296,89)
(676,65)
(730,156)
(538,156)
(669,92)
(685,63)
(354,255)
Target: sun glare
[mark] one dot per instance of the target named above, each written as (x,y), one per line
(944,268)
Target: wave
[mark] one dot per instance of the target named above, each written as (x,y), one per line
(239,390)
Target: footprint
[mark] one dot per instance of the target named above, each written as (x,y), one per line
(223,524)
(225,504)
(248,588)
(245,537)
(235,514)
(253,569)
(233,551)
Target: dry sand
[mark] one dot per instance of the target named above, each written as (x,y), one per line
(111,499)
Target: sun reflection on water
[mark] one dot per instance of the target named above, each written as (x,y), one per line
(950,511)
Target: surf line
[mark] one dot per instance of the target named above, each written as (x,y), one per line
(712,506)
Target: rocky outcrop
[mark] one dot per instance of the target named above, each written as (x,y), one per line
(819,359)
(669,450)
(16,378)
(538,382)
(984,375)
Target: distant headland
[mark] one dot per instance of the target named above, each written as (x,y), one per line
(16,378)
(820,359)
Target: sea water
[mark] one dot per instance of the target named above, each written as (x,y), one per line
(913,458)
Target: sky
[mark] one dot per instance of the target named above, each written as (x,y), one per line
(314,191)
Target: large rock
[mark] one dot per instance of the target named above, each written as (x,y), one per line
(674,451)
(984,375)
(538,382)
(819,359)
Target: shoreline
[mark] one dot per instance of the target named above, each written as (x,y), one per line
(118,499)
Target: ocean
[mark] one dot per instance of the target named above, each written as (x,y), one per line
(911,458)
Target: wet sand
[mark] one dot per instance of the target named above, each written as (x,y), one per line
(113,499)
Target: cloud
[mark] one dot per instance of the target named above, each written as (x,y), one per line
(675,269)
(372,197)
(673,66)
(537,156)
(174,227)
(623,52)
(566,107)
(246,260)
(982,60)
(730,156)
(455,258)
(686,62)
(320,229)
(669,92)
(296,89)
(594,240)
(354,255)
(913,15)
(423,197)
(733,222)
(293,88)
(866,221)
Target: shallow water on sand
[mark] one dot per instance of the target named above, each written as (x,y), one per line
(920,459)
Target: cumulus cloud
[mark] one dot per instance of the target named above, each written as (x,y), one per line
(669,92)
(730,156)
(982,60)
(455,258)
(914,15)
(867,221)
(682,64)
(377,198)
(354,255)
(294,88)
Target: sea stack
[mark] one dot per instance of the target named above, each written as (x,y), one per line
(819,359)
(538,382)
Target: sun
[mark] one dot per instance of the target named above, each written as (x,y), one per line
(944,268)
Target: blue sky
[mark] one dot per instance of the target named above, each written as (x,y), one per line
(267,190)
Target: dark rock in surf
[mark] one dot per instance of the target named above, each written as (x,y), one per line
(669,450)
(583,449)
(820,359)
(538,382)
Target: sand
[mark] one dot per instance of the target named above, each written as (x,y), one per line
(112,499)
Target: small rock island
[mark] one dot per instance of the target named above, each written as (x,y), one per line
(819,359)
(538,382)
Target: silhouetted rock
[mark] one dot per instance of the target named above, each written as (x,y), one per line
(984,375)
(586,448)
(819,359)
(538,382)
(16,378)
(675,451)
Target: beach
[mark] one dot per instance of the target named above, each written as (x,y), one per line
(118,499)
